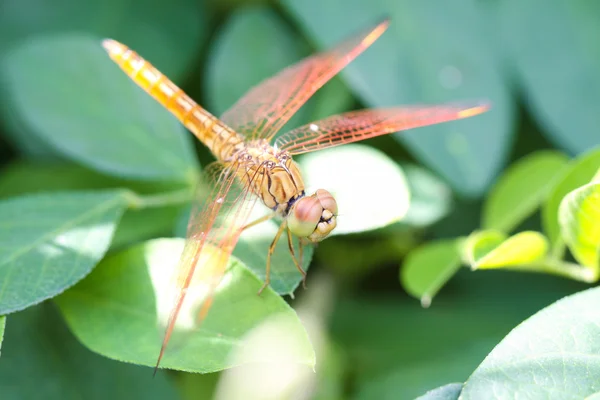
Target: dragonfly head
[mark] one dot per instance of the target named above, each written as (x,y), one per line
(313,217)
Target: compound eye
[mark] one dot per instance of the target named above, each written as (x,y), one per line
(304,216)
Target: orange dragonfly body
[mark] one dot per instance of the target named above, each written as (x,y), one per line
(249,168)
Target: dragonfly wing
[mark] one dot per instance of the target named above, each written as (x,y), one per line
(355,126)
(214,228)
(261,112)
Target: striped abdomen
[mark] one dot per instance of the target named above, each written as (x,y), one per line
(219,138)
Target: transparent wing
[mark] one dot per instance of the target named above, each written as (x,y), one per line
(262,111)
(214,228)
(364,124)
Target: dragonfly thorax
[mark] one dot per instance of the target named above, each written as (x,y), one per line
(276,179)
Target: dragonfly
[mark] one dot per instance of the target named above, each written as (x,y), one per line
(250,166)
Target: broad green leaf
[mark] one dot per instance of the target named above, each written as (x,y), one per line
(580,171)
(48,242)
(579,218)
(430,198)
(370,189)
(169,34)
(42,360)
(2,326)
(427,269)
(490,249)
(252,250)
(450,391)
(552,46)
(132,290)
(90,111)
(257,39)
(459,64)
(553,352)
(521,190)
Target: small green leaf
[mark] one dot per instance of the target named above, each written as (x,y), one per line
(89,110)
(580,171)
(427,269)
(370,189)
(450,391)
(521,190)
(554,351)
(42,360)
(51,241)
(579,218)
(485,250)
(130,290)
(430,199)
(459,64)
(555,59)
(250,31)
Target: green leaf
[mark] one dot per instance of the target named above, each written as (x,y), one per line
(521,190)
(128,288)
(579,218)
(430,198)
(554,351)
(484,250)
(51,241)
(450,391)
(348,172)
(557,63)
(249,32)
(42,359)
(89,110)
(427,269)
(459,64)
(580,171)
(155,30)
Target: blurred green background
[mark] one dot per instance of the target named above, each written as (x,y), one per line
(68,122)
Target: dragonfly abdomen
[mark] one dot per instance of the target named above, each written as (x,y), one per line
(219,138)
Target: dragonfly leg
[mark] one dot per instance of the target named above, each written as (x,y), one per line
(296,261)
(258,221)
(270,254)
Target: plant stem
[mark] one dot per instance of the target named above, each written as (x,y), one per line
(177,197)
